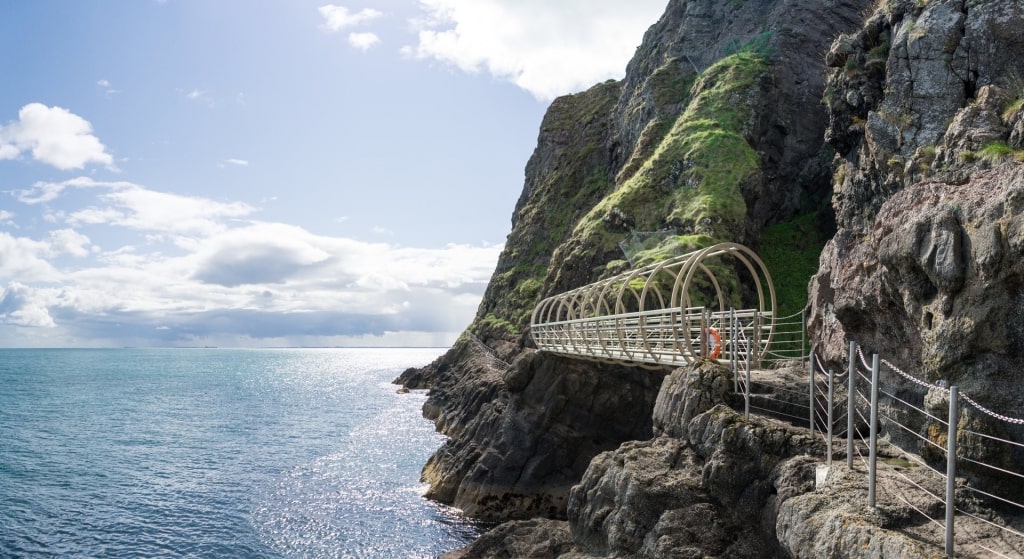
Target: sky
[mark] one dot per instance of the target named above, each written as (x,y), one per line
(276,173)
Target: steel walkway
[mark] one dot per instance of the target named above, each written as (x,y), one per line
(666,314)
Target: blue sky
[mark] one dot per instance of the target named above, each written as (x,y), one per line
(279,173)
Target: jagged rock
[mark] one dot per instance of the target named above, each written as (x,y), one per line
(520,451)
(924,269)
(835,521)
(922,109)
(683,395)
(520,539)
(710,489)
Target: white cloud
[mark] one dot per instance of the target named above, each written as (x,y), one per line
(195,94)
(103,83)
(20,306)
(337,18)
(238,162)
(6,217)
(189,268)
(54,136)
(363,41)
(24,259)
(380,230)
(547,48)
(70,242)
(257,254)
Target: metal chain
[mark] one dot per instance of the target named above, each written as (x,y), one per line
(987,411)
(976,405)
(912,378)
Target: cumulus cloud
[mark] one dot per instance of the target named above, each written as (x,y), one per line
(238,162)
(23,259)
(54,136)
(69,241)
(18,307)
(363,41)
(337,18)
(547,48)
(194,270)
(129,205)
(6,217)
(258,254)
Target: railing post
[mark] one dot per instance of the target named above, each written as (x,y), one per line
(831,380)
(734,350)
(850,402)
(873,450)
(803,332)
(810,384)
(954,393)
(746,398)
(703,333)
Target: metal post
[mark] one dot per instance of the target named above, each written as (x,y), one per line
(852,371)
(734,350)
(831,380)
(954,393)
(803,331)
(873,450)
(810,384)
(746,397)
(703,333)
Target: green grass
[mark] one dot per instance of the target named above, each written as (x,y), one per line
(790,251)
(994,152)
(692,180)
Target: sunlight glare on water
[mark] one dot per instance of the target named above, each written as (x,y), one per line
(217,453)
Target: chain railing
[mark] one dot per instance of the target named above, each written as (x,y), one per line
(935,484)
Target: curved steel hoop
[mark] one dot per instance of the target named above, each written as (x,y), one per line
(648,316)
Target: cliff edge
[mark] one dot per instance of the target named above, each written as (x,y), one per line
(892,129)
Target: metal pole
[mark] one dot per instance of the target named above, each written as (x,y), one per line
(810,384)
(954,393)
(703,333)
(746,397)
(735,347)
(852,371)
(831,380)
(803,332)
(873,450)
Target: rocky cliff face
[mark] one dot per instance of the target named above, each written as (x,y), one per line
(713,135)
(899,118)
(926,268)
(710,484)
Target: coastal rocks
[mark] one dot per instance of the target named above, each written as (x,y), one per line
(684,395)
(926,267)
(710,489)
(536,538)
(834,521)
(525,445)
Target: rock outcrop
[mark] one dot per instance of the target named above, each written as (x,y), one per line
(927,266)
(895,128)
(713,134)
(710,484)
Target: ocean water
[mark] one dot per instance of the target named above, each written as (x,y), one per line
(217,453)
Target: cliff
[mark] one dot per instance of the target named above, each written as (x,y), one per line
(892,128)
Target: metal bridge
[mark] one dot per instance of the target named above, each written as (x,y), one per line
(719,302)
(716,302)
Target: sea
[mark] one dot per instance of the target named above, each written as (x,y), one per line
(263,453)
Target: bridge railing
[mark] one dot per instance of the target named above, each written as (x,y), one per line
(661,337)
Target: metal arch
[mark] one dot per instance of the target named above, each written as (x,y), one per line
(616,320)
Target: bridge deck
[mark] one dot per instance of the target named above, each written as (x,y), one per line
(663,337)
